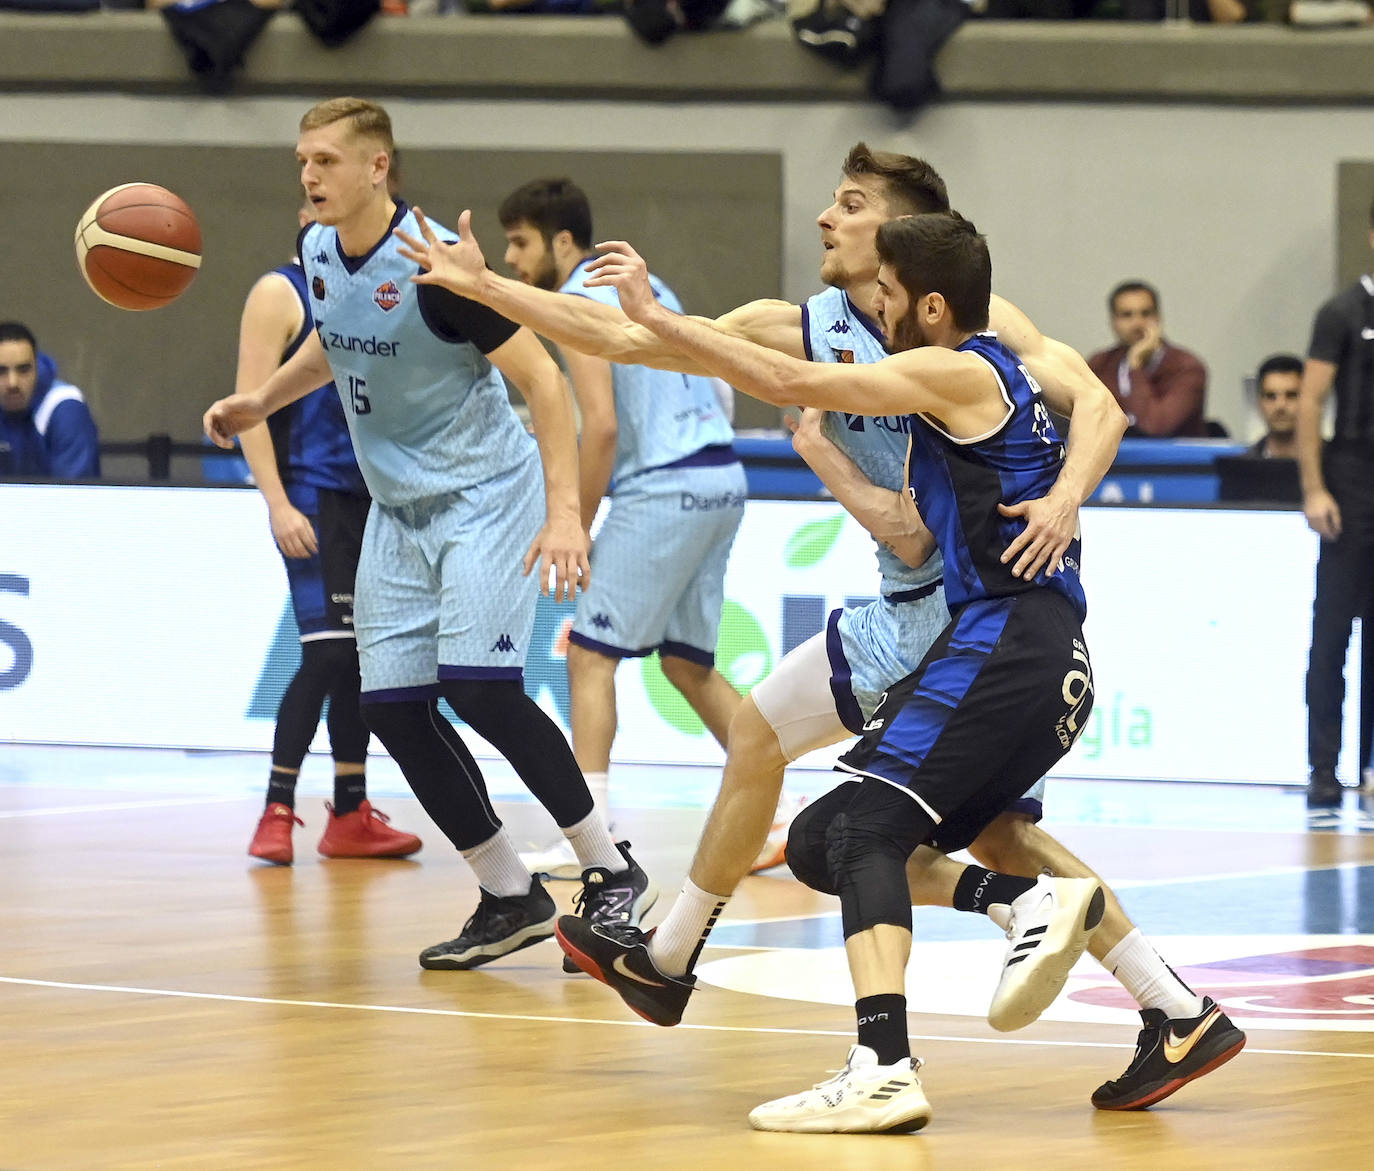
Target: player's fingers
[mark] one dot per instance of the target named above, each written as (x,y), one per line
(1014,509)
(531,556)
(464,223)
(1022,539)
(425,230)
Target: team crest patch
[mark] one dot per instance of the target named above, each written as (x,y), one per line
(387,296)
(845,356)
(317,287)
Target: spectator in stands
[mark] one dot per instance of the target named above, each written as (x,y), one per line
(46,429)
(1159,385)
(1276,387)
(1338,499)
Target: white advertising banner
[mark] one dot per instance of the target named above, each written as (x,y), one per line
(160,617)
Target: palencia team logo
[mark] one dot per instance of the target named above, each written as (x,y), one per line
(387,296)
(317,287)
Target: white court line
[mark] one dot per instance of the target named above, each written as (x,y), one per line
(166,803)
(563,1020)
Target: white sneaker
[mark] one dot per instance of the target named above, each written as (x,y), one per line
(1048,929)
(1328,13)
(774,852)
(556,862)
(863,1098)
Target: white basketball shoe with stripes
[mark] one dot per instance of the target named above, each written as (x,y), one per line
(1048,930)
(862,1098)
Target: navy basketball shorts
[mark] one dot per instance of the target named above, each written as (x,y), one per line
(322,584)
(999,698)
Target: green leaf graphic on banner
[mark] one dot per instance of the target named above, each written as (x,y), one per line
(812,541)
(742,656)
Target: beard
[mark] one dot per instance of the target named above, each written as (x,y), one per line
(546,275)
(908,335)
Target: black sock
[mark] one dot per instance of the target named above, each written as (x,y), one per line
(350,791)
(281,788)
(978,889)
(882,1027)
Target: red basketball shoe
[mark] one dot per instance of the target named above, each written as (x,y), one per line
(364,833)
(272,839)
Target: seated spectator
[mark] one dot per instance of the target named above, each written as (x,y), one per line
(46,429)
(1159,385)
(1276,386)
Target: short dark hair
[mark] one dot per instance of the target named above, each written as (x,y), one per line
(13,331)
(1278,364)
(941,253)
(1133,287)
(912,184)
(552,206)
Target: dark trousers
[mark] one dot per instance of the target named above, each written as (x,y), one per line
(1345,591)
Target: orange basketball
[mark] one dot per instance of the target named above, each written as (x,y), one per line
(138,246)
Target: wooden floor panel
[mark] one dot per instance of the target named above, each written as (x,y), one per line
(168,1003)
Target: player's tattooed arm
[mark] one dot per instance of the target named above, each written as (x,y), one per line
(890,516)
(1070,388)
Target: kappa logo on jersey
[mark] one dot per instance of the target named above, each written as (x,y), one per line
(387,296)
(840,326)
(601,621)
(322,257)
(317,287)
(503,644)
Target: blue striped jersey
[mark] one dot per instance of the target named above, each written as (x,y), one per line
(958,484)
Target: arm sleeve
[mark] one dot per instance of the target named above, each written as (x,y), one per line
(1328,335)
(73,443)
(459,319)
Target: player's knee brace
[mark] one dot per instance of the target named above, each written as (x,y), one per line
(806,848)
(867,847)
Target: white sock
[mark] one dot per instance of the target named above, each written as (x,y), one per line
(1149,979)
(591,842)
(599,784)
(498,866)
(679,938)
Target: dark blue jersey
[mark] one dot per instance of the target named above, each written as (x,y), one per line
(311,435)
(958,484)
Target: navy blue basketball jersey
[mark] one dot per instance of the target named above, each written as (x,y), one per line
(958,484)
(310,436)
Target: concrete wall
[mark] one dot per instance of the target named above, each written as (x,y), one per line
(1229,207)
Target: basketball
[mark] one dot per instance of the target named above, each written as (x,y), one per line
(138,246)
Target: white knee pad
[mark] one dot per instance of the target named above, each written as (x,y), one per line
(797,702)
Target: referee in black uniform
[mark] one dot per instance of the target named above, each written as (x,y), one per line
(1338,499)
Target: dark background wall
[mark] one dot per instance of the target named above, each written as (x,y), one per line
(711,222)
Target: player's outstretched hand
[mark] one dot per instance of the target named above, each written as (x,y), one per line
(231,416)
(620,267)
(1051,525)
(563,547)
(457,265)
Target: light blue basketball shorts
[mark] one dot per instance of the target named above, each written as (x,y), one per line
(658,564)
(441,592)
(872,647)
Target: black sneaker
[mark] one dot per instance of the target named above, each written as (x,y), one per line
(1324,789)
(623,898)
(837,34)
(617,954)
(1169,1054)
(498,927)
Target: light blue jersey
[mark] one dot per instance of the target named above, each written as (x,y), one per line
(833,330)
(663,419)
(428,414)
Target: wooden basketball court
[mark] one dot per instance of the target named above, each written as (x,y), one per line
(169,1003)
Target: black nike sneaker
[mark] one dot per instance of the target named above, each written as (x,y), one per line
(1169,1054)
(617,954)
(608,897)
(498,927)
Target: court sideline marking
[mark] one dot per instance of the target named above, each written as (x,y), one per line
(408,1010)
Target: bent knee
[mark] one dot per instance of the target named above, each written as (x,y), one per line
(1007,845)
(683,674)
(751,734)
